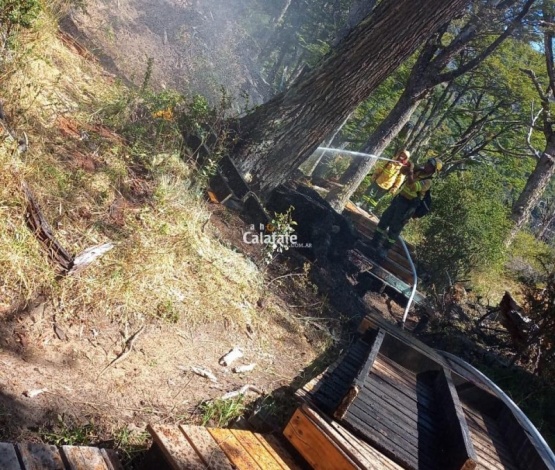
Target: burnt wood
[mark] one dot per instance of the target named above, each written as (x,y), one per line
(361,376)
(456,436)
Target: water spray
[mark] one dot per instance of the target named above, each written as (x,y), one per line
(355,154)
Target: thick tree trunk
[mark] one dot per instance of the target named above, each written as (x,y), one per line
(359,10)
(533,191)
(376,144)
(279,135)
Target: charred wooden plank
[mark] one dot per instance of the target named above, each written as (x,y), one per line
(461,453)
(361,376)
(40,456)
(517,439)
(413,423)
(402,454)
(489,449)
(8,457)
(84,458)
(365,449)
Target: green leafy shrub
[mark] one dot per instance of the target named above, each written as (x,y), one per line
(467,227)
(18,13)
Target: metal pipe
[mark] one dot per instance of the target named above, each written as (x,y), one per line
(414,284)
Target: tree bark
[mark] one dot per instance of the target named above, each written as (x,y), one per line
(278,136)
(359,10)
(532,192)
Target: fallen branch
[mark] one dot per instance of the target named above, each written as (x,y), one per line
(204,373)
(126,350)
(38,224)
(242,391)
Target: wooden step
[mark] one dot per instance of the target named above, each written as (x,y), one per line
(195,447)
(36,456)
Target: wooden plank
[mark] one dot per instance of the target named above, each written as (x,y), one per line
(8,457)
(381,404)
(402,455)
(375,320)
(233,449)
(206,447)
(334,436)
(361,376)
(456,434)
(111,458)
(281,455)
(396,441)
(402,394)
(488,441)
(370,453)
(175,447)
(83,458)
(256,450)
(488,448)
(372,355)
(40,456)
(416,427)
(314,446)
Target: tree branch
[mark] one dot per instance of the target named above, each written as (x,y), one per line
(488,50)
(534,151)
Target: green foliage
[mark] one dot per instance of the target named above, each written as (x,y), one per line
(64,432)
(148,74)
(281,228)
(467,226)
(220,413)
(18,13)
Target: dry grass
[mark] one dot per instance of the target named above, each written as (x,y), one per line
(93,188)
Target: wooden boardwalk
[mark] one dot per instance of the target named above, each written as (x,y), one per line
(34,456)
(395,271)
(198,448)
(393,396)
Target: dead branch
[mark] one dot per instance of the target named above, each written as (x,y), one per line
(40,227)
(126,350)
(534,151)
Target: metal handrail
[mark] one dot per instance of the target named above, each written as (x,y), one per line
(524,421)
(414,284)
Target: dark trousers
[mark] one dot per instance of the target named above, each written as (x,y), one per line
(375,191)
(395,217)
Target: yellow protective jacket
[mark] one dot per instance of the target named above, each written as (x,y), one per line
(387,175)
(418,188)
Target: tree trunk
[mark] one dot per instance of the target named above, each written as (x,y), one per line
(359,10)
(320,166)
(533,191)
(279,135)
(376,144)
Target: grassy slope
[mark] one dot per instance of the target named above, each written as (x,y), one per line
(94,188)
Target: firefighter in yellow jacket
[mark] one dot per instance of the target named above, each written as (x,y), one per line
(387,177)
(401,209)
